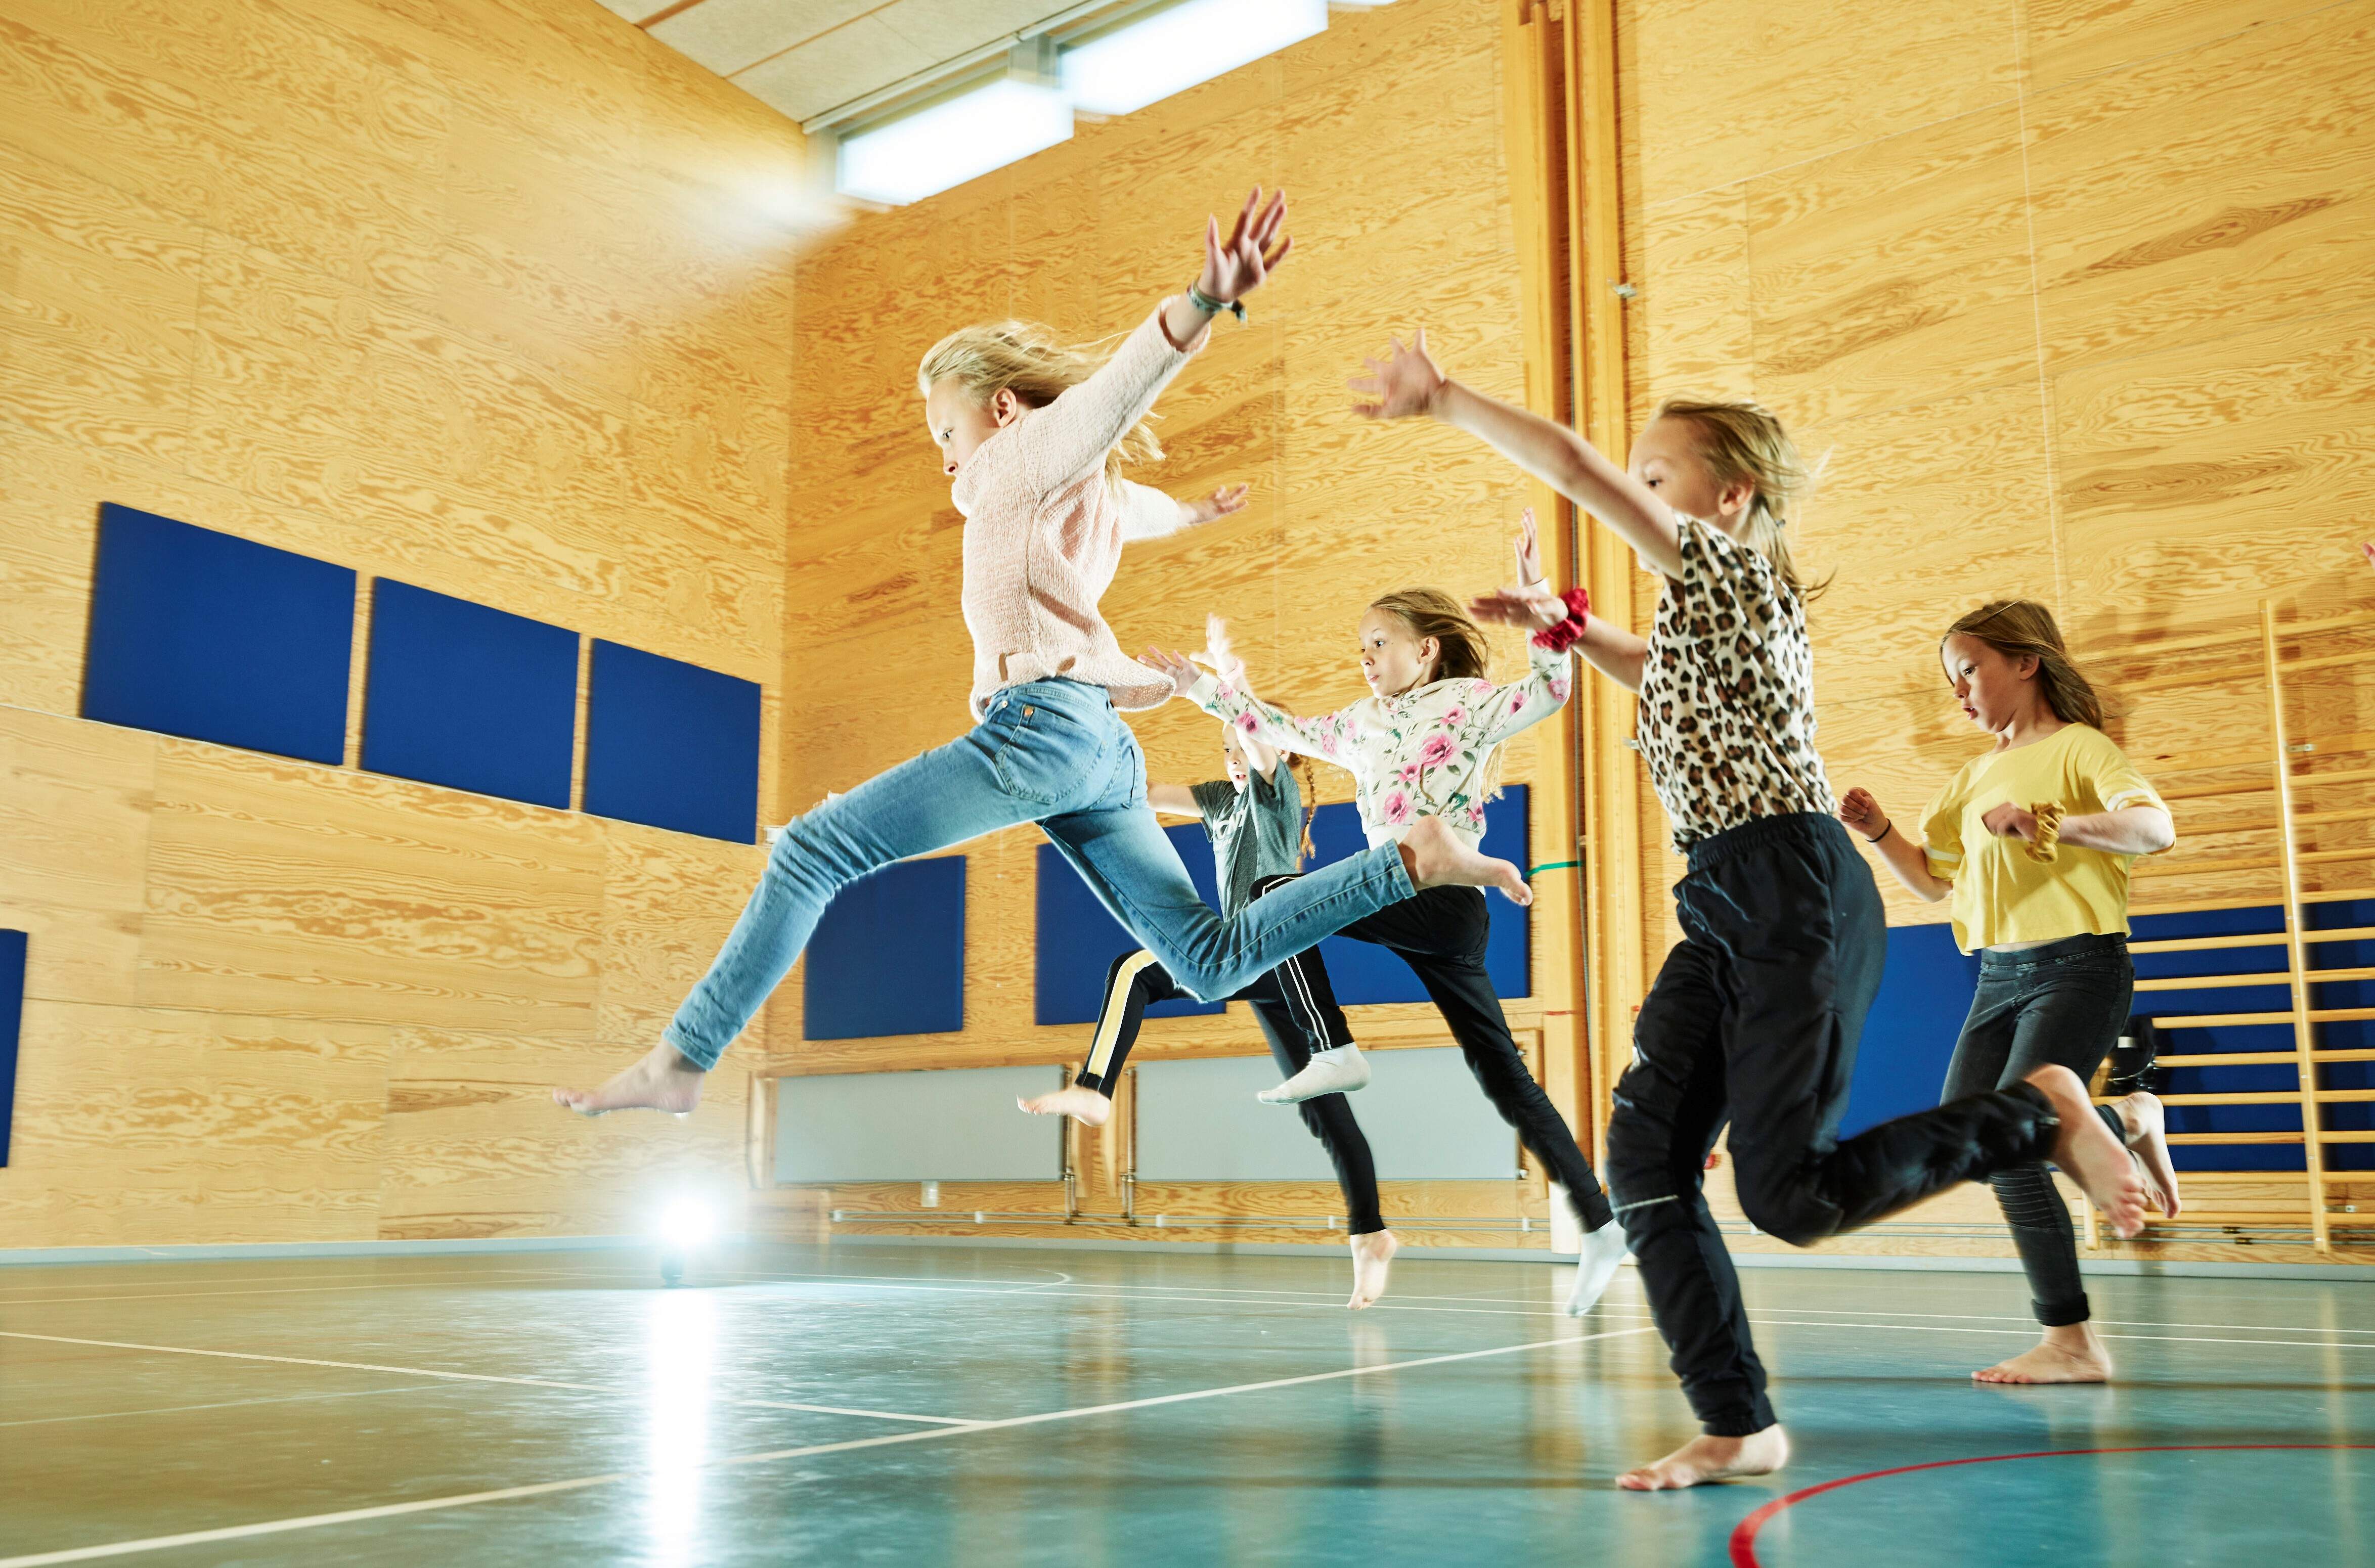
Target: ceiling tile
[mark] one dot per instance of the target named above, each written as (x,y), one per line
(731,35)
(846,62)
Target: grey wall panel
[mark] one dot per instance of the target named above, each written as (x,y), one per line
(1423,1113)
(957,1124)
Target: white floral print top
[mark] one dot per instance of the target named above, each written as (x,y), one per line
(1421,754)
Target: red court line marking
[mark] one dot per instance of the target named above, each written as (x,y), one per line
(1743,1539)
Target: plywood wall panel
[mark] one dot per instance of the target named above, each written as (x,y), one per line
(1727,90)
(2197,194)
(279,887)
(75,806)
(1893,272)
(140,1125)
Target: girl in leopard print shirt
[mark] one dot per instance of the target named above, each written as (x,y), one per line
(1756,1013)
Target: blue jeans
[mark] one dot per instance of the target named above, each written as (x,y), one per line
(1052,752)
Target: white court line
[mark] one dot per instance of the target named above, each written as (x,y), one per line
(455,1376)
(464,1500)
(221,1405)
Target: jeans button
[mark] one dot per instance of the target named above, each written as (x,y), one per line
(1028,710)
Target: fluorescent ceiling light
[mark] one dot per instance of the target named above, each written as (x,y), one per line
(951,142)
(1176,48)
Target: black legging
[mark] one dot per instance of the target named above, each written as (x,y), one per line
(1440,934)
(1297,1012)
(2060,1005)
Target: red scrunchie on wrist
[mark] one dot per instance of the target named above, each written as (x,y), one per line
(1568,632)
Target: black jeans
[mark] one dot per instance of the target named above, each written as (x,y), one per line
(1754,1020)
(1296,1008)
(2060,1005)
(1440,934)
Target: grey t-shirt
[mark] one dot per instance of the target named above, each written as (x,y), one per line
(1257,834)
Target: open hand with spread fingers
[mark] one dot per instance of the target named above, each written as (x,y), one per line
(1219,505)
(1254,249)
(1402,385)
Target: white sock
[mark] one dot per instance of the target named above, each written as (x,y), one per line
(1339,1069)
(1602,1250)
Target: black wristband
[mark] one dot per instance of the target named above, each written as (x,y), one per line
(1882,833)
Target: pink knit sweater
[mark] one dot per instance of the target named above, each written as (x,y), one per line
(1043,530)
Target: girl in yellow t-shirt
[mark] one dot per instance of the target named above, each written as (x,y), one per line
(2046,904)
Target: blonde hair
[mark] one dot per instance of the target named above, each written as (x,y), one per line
(2018,627)
(1030,362)
(1463,654)
(1742,440)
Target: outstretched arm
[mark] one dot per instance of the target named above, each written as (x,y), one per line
(1072,434)
(1614,652)
(1231,701)
(1149,513)
(1174,800)
(2132,830)
(1406,383)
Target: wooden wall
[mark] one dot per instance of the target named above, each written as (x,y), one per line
(2074,298)
(491,296)
(1387,133)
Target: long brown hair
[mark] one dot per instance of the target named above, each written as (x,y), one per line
(1742,441)
(2023,627)
(1462,652)
(1030,362)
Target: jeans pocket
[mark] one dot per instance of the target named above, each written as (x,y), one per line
(1041,754)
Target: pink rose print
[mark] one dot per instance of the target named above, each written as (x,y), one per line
(1518,704)
(1396,809)
(1558,689)
(1436,750)
(1477,689)
(1407,772)
(1328,743)
(1456,717)
(1248,723)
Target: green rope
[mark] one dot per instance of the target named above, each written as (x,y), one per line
(1555,865)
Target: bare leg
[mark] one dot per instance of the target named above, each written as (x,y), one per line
(1705,1459)
(1083,1104)
(2149,1137)
(2072,1353)
(1372,1254)
(660,1080)
(1437,858)
(2086,1149)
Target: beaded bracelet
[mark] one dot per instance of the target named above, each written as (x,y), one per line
(1569,633)
(1212,307)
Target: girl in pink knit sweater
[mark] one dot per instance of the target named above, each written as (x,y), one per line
(1030,437)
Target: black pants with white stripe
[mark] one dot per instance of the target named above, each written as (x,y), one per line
(1297,1012)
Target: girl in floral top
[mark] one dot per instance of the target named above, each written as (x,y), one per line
(1755,1017)
(1425,745)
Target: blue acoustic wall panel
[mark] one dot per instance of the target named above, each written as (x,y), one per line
(887,957)
(217,638)
(1910,1034)
(1362,972)
(671,745)
(468,697)
(12,1014)
(1079,938)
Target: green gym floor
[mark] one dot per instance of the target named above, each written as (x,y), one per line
(928,1405)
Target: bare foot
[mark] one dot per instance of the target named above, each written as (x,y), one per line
(1705,1459)
(660,1080)
(1372,1254)
(1437,858)
(2149,1137)
(2070,1354)
(2087,1152)
(1083,1104)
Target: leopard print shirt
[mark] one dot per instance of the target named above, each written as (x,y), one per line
(1728,693)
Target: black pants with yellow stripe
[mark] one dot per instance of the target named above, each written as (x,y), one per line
(1297,1012)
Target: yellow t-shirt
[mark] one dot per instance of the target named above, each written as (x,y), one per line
(2001,895)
